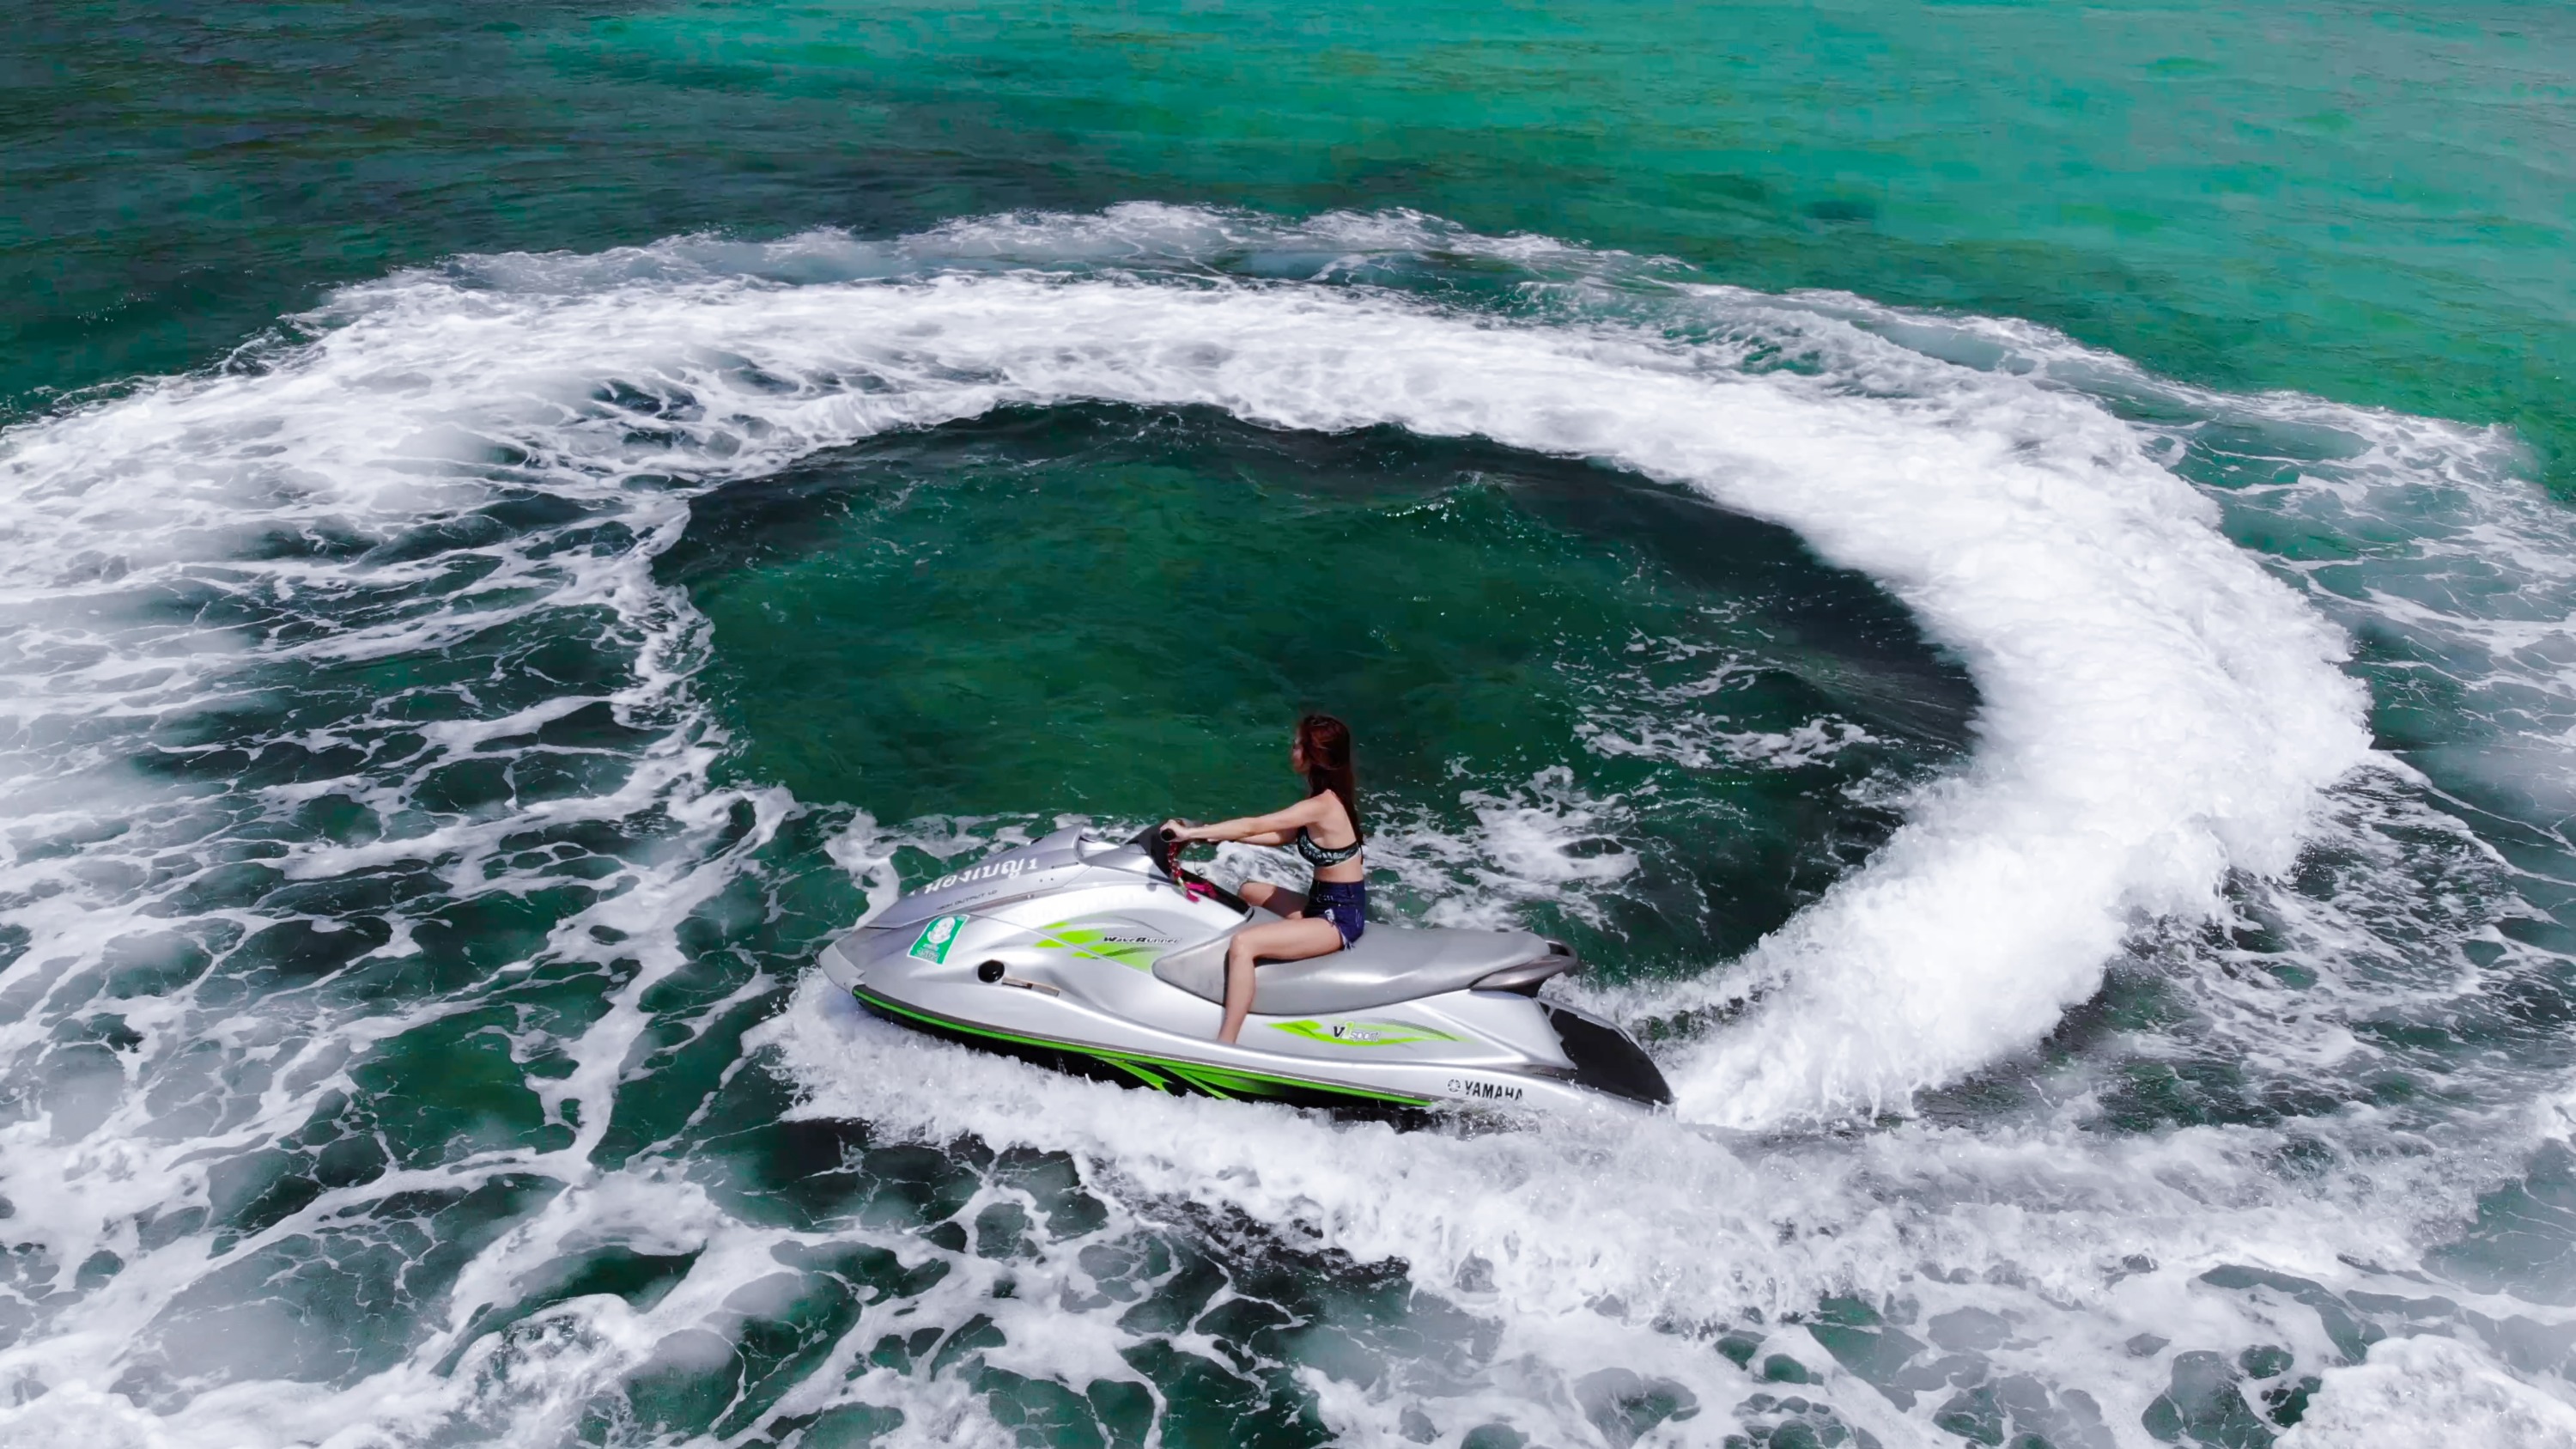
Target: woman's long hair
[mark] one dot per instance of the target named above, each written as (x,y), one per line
(1326,744)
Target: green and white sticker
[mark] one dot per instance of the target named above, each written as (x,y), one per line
(1362,1033)
(935,939)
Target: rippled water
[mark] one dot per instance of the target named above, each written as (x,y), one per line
(2085,845)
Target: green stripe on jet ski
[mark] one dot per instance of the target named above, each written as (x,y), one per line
(1224,1082)
(1155,1080)
(1200,1081)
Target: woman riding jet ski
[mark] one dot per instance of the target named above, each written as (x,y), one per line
(1110,959)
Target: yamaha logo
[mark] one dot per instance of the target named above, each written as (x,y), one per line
(1484,1091)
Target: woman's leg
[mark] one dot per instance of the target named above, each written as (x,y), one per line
(1269,941)
(1278,900)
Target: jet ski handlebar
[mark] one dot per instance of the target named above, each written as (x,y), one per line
(1164,850)
(1162,847)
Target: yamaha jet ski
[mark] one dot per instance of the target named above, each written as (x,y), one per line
(1107,958)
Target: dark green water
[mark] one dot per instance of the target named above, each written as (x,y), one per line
(1114,611)
(1992,566)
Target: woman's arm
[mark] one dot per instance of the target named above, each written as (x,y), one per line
(1276,828)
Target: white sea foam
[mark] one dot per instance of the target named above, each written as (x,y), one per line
(1545,841)
(2418,1391)
(2157,711)
(1589,1244)
(2160,716)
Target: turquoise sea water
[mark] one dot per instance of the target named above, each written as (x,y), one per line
(1995,567)
(2363,202)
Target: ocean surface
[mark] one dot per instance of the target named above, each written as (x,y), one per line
(2000,569)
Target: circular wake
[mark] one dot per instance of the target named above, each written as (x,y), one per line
(353,731)
(2157,711)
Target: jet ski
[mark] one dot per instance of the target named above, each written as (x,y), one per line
(1107,958)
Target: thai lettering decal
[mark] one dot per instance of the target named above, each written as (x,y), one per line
(989,870)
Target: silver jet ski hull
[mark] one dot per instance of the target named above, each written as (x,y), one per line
(1102,958)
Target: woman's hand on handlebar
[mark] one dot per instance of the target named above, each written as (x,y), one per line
(1179,832)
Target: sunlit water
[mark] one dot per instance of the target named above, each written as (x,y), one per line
(2085,846)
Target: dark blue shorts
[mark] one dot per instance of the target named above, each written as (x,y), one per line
(1344,903)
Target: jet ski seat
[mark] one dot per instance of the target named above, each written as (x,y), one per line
(1388,965)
